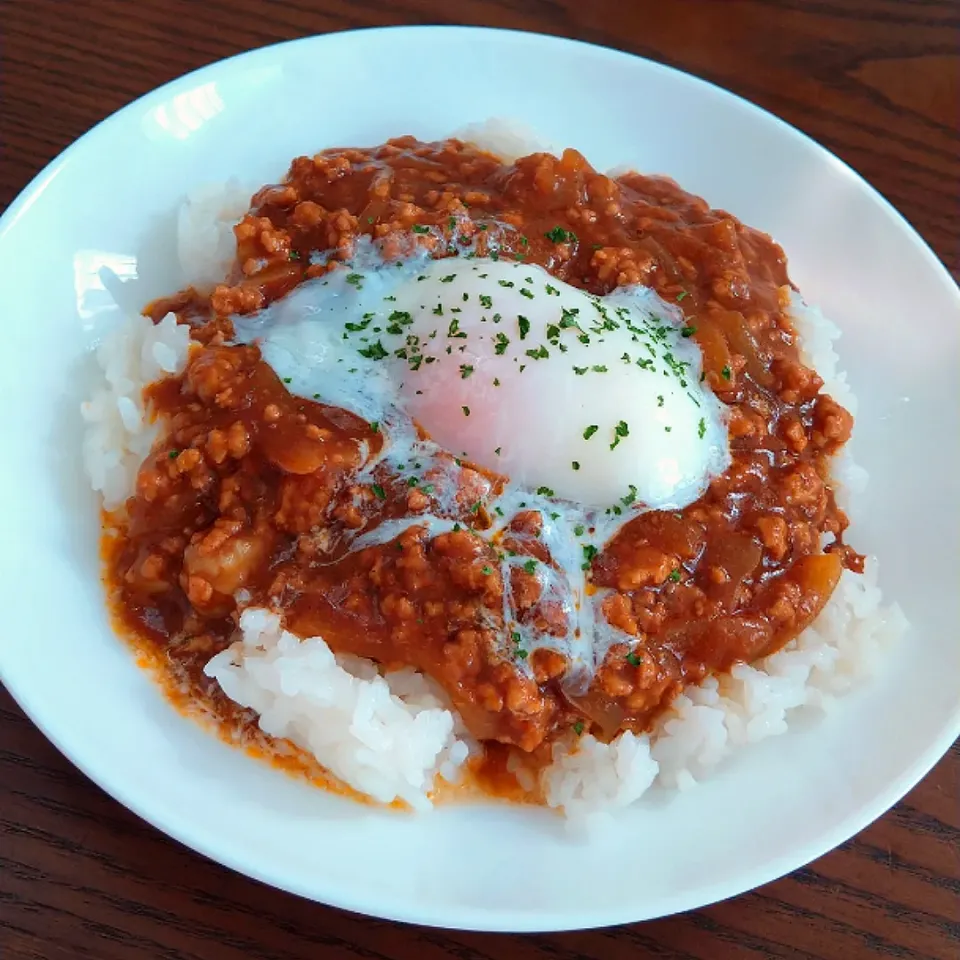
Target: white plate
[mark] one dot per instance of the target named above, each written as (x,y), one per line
(108,201)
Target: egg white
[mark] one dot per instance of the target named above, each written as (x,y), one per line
(608,406)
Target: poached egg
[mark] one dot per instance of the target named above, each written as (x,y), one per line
(595,400)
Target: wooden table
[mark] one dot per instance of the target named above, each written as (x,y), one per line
(877,81)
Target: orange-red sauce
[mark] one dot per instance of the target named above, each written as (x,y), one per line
(250,487)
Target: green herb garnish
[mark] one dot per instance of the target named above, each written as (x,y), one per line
(374,352)
(620,431)
(559,235)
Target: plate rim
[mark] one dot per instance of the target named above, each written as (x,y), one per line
(470,918)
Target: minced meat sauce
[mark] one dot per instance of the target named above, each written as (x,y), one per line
(249,489)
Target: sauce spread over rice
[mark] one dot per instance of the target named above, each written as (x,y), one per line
(253,497)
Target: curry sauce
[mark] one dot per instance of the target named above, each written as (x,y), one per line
(252,495)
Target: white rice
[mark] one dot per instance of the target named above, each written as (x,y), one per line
(588,776)
(386,736)
(206,246)
(505,138)
(119,429)
(817,335)
(391,736)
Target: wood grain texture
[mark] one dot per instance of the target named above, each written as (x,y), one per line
(876,81)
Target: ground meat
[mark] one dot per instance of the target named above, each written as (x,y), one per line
(255,494)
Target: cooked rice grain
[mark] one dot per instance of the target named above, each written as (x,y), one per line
(119,430)
(386,736)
